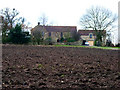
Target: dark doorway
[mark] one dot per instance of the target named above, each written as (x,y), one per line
(58,40)
(83,42)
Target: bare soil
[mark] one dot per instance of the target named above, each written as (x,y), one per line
(48,67)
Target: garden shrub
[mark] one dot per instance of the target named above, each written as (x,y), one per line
(17,36)
(70,40)
(48,41)
(62,39)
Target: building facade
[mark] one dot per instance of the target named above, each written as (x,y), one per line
(55,32)
(87,36)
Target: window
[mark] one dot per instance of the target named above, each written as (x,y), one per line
(61,34)
(90,35)
(42,33)
(49,34)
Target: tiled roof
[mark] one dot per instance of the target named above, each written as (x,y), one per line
(56,28)
(86,32)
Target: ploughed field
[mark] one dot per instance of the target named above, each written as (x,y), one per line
(59,67)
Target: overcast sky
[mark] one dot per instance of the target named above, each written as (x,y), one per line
(59,12)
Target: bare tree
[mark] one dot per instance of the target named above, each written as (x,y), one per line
(75,35)
(10,19)
(10,16)
(37,37)
(43,20)
(100,20)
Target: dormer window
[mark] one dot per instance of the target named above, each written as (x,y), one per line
(90,35)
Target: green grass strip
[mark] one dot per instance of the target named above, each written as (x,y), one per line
(87,46)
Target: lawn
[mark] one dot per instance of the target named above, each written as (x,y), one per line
(88,46)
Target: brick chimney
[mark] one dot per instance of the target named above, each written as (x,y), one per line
(38,23)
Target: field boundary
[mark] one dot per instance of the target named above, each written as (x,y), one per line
(96,47)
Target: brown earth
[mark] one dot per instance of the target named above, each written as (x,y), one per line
(59,67)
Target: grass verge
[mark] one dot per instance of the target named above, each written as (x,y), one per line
(87,46)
